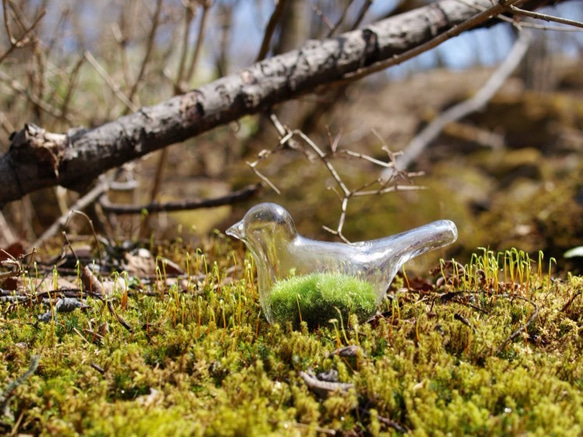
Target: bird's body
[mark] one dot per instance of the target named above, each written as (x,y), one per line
(279,251)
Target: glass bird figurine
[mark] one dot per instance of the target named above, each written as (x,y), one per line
(314,281)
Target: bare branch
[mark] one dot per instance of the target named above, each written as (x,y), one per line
(486,14)
(109,81)
(340,20)
(229,199)
(35,100)
(149,49)
(89,153)
(188,17)
(323,388)
(546,17)
(341,189)
(80,204)
(23,39)
(456,112)
(365,7)
(270,29)
(206,5)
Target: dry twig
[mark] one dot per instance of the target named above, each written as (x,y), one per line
(324,388)
(23,39)
(546,17)
(229,199)
(8,392)
(149,50)
(110,82)
(456,112)
(343,192)
(270,29)
(80,204)
(522,328)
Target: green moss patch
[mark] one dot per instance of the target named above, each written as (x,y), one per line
(491,347)
(319,297)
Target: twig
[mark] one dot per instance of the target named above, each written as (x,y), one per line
(22,40)
(521,24)
(188,17)
(522,328)
(73,76)
(433,129)
(270,29)
(324,18)
(154,190)
(365,6)
(98,368)
(388,422)
(235,196)
(342,191)
(109,81)
(340,20)
(253,166)
(149,50)
(546,17)
(323,388)
(570,301)
(18,87)
(63,305)
(497,9)
(80,204)
(8,391)
(463,320)
(206,5)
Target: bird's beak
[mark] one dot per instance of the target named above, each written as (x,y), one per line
(237,230)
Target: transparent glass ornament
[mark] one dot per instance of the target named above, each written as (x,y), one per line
(280,253)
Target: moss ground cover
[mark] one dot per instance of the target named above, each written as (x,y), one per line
(492,347)
(319,297)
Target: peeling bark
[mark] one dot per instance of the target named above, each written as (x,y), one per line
(39,159)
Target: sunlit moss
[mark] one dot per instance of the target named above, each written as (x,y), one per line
(206,362)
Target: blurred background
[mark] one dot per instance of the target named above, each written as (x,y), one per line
(510,174)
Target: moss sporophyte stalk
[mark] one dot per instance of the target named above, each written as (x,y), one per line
(318,297)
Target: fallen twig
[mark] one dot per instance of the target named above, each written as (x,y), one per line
(80,204)
(8,391)
(388,422)
(236,196)
(324,388)
(344,193)
(570,301)
(457,112)
(522,328)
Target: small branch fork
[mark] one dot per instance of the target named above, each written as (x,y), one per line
(24,38)
(343,192)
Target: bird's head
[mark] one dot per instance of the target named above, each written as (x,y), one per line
(264,224)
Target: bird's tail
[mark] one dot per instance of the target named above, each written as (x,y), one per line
(418,241)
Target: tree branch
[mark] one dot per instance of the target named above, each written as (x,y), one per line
(461,110)
(189,204)
(73,162)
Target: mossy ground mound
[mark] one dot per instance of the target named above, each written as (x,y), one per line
(464,353)
(319,297)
